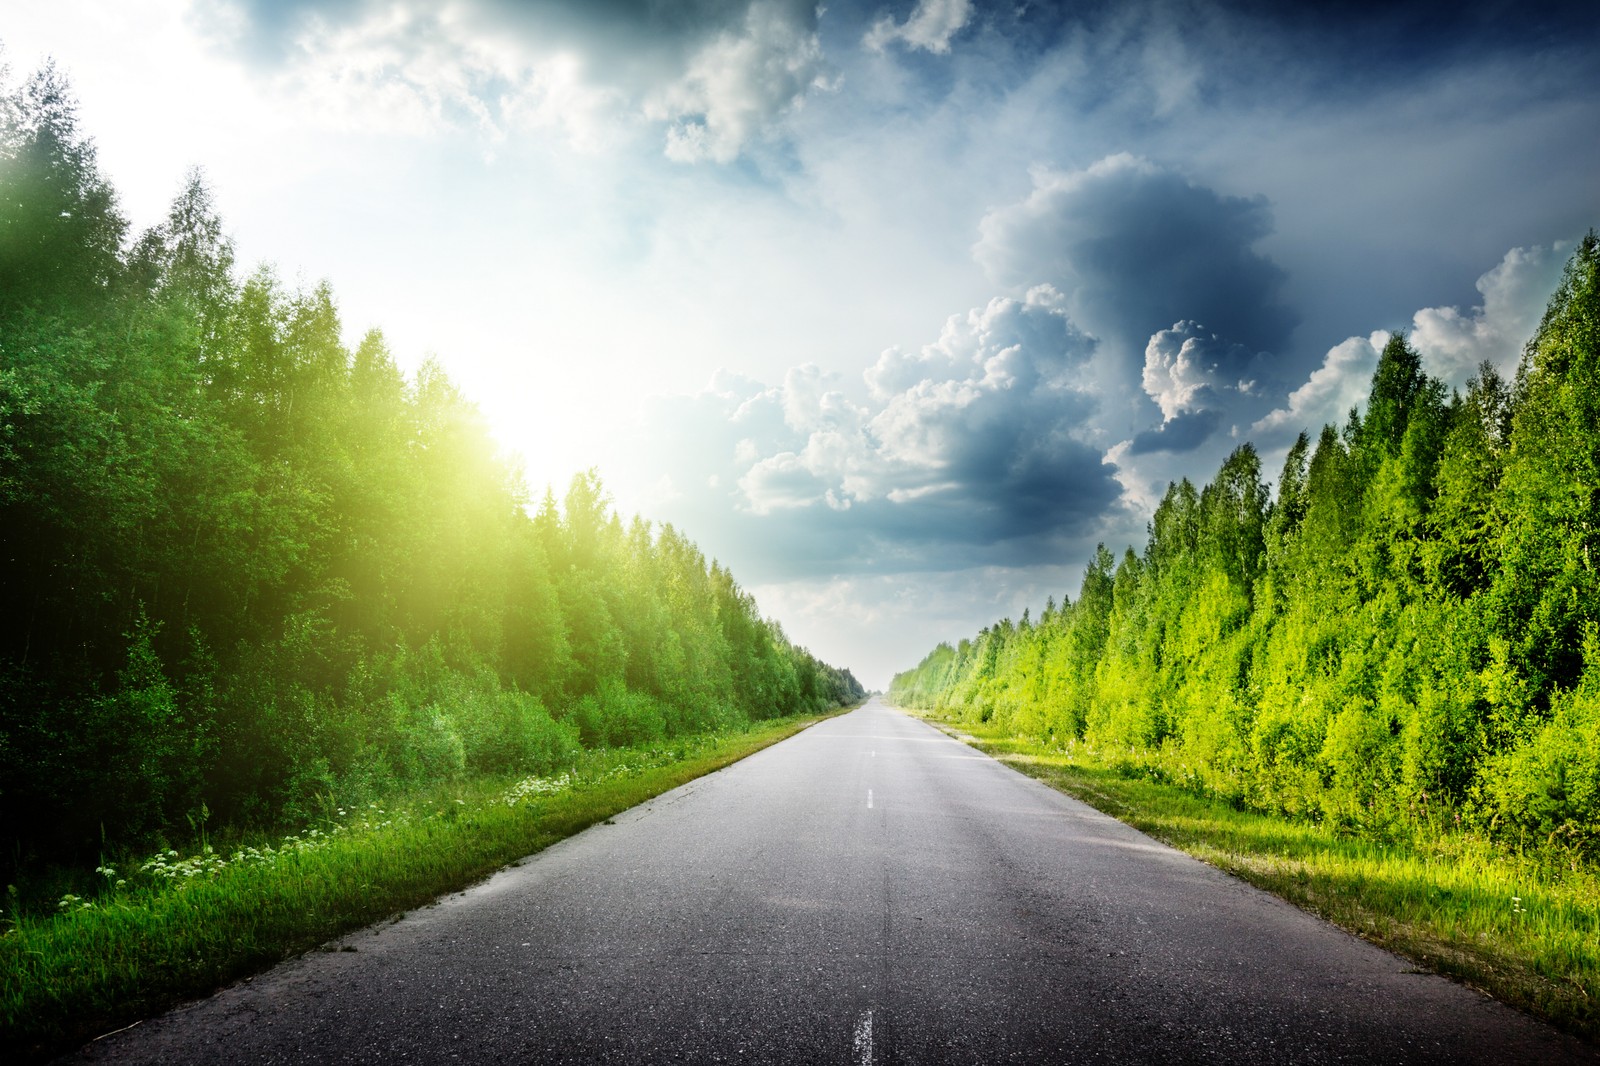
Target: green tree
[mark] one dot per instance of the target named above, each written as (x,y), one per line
(60,230)
(1547,507)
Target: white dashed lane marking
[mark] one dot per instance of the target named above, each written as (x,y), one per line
(862,1044)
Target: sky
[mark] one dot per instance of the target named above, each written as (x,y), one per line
(895,307)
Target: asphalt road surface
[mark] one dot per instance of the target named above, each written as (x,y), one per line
(869,891)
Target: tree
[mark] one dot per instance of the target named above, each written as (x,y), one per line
(60,230)
(1396,384)
(1461,553)
(1547,509)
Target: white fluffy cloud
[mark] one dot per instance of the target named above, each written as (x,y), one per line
(718,76)
(929,27)
(1452,343)
(1340,383)
(824,453)
(738,83)
(401,69)
(1195,377)
(1188,368)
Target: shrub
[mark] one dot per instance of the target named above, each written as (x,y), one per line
(1548,786)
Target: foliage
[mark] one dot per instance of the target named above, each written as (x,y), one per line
(1405,636)
(247,567)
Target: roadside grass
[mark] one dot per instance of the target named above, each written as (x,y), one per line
(180,926)
(1525,928)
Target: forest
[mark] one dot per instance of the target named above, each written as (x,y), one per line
(1404,635)
(246,571)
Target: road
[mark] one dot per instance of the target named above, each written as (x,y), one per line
(869,891)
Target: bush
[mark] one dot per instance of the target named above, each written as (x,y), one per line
(617,716)
(424,744)
(1357,754)
(1548,787)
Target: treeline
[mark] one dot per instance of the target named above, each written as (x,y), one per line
(244,569)
(1408,633)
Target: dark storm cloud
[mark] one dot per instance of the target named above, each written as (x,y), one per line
(971,451)
(1180,433)
(1136,247)
(1266,45)
(1401,144)
(1407,39)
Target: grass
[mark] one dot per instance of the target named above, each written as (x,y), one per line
(180,926)
(1523,928)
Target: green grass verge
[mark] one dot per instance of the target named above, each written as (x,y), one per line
(181,927)
(1525,929)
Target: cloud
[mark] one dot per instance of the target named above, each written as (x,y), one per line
(1187,368)
(977,449)
(1339,384)
(1450,341)
(996,420)
(1194,376)
(929,27)
(782,482)
(1136,247)
(740,82)
(1515,291)
(717,74)
(1183,432)
(980,414)
(394,69)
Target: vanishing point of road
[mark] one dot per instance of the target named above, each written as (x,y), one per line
(869,891)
